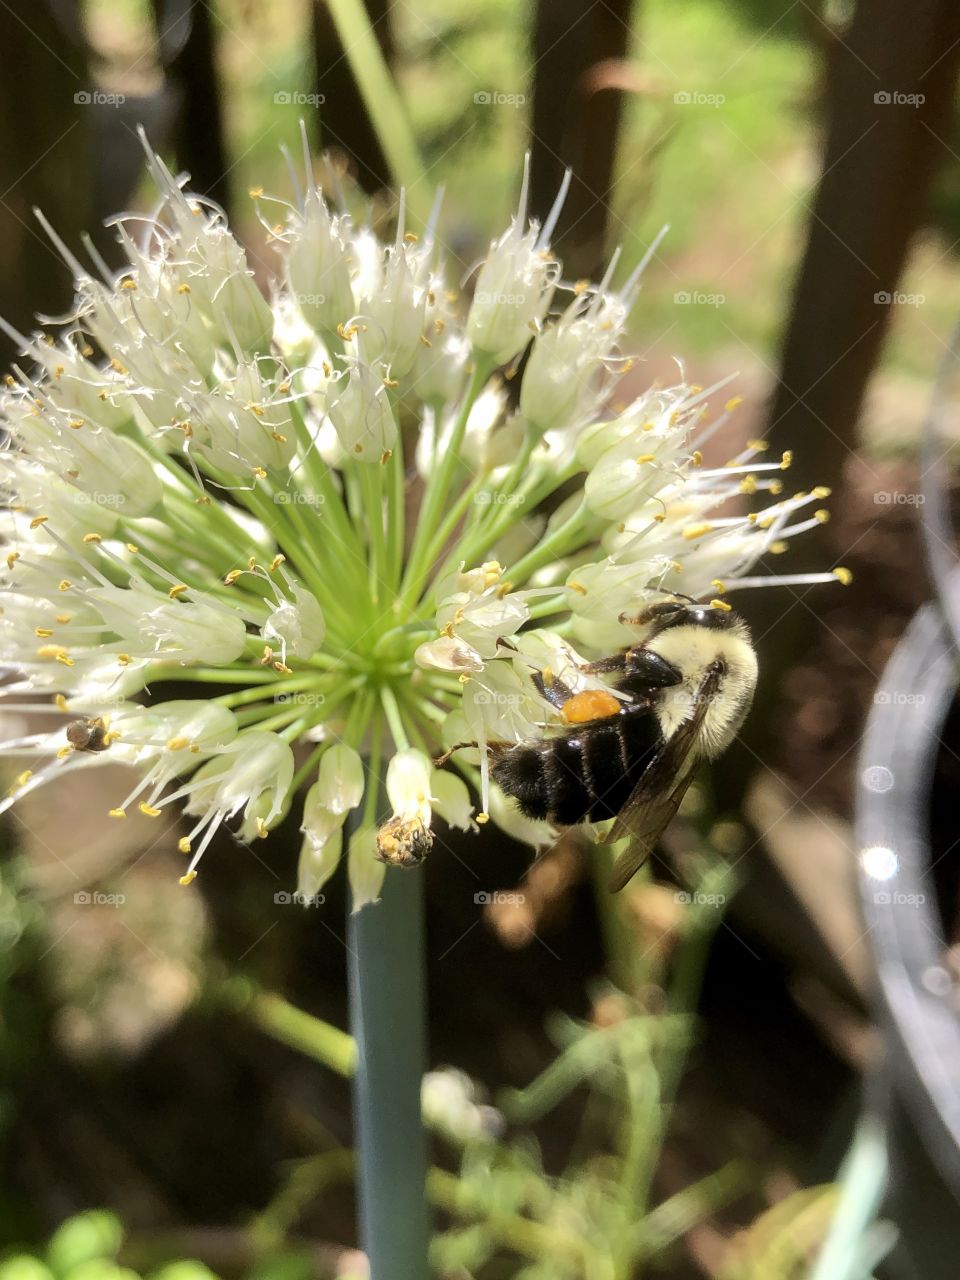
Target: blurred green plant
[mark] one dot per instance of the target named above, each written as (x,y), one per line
(86,1247)
(596,1219)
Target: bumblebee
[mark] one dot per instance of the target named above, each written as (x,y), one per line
(683,694)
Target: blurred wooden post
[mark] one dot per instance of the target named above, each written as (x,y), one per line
(883,145)
(343,121)
(576,121)
(880,156)
(44,158)
(186,39)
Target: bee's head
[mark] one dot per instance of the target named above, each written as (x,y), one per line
(684,612)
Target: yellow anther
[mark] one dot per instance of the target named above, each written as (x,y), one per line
(275,435)
(718,586)
(183,844)
(779,547)
(178,744)
(188,878)
(60,703)
(694,531)
(124,659)
(758,446)
(823,515)
(425,340)
(732,403)
(128,283)
(787,460)
(276,562)
(75,423)
(574,585)
(183,288)
(64,584)
(262,831)
(255,193)
(133,548)
(721,604)
(482,818)
(252,563)
(64,752)
(37,521)
(748,484)
(42,633)
(259,473)
(50,650)
(411,237)
(22,779)
(776,488)
(282,669)
(821,491)
(117,813)
(843,575)
(696,458)
(178,590)
(148,810)
(646,457)
(91,538)
(385,457)
(12,558)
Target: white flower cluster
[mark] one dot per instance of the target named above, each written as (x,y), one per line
(211,488)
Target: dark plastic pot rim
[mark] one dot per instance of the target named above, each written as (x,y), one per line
(904,929)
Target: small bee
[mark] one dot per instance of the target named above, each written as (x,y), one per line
(687,687)
(88,735)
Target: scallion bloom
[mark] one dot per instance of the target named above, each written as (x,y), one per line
(212,491)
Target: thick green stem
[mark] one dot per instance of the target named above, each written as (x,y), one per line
(388,1021)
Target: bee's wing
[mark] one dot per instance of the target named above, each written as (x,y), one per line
(656,798)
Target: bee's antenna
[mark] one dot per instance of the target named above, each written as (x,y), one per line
(669,591)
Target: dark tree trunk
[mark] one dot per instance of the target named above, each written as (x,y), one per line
(879,160)
(577,110)
(883,147)
(44,158)
(186,37)
(343,121)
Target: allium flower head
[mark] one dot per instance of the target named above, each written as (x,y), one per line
(211,492)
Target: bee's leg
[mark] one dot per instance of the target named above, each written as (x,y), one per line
(642,618)
(548,686)
(440,761)
(617,662)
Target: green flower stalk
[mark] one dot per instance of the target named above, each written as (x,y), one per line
(211,487)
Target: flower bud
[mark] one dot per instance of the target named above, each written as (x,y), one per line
(362,415)
(316,265)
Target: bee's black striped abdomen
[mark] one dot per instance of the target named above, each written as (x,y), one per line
(586,773)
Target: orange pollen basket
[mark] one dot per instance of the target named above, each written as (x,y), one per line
(592,704)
